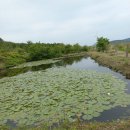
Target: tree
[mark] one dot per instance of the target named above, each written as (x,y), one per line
(68,48)
(29,42)
(102,44)
(76,47)
(85,48)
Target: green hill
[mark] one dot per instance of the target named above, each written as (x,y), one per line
(123,41)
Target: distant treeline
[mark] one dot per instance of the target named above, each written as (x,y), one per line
(15,53)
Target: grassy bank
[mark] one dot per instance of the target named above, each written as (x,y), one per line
(12,54)
(115,125)
(11,59)
(117,62)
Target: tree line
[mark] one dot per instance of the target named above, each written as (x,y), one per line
(15,53)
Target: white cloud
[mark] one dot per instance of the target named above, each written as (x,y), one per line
(64,20)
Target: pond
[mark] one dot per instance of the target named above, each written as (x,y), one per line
(117,112)
(79,67)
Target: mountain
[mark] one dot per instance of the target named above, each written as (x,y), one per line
(123,41)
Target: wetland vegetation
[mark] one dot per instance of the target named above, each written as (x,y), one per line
(62,93)
(12,54)
(58,93)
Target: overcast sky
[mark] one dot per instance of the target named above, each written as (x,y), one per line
(68,21)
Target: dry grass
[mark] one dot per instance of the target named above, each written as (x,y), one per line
(116,61)
(116,125)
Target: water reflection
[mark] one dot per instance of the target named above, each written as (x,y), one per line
(12,72)
(15,71)
(114,114)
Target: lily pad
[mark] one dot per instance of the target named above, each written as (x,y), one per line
(59,93)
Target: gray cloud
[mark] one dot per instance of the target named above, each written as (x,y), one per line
(67,21)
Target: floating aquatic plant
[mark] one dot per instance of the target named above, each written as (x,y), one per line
(36,63)
(58,93)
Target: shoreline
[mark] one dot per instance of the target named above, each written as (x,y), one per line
(117,63)
(5,66)
(78,125)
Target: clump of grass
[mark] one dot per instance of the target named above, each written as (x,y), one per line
(115,125)
(126,61)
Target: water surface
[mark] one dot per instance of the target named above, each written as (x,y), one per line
(85,63)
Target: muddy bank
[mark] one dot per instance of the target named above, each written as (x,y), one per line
(117,63)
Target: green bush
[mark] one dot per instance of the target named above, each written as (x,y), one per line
(102,44)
